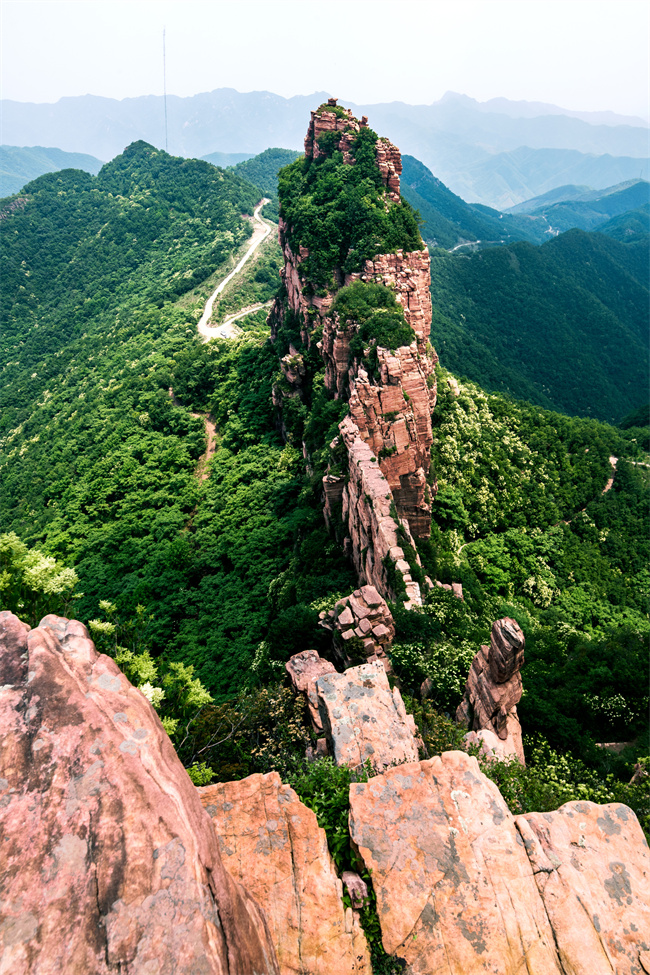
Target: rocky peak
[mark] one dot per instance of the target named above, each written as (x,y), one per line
(389,382)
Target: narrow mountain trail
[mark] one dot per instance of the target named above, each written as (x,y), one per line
(260,233)
(211,437)
(610,483)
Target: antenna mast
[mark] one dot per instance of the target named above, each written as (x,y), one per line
(165,88)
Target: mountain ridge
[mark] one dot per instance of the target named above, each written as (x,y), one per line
(445,136)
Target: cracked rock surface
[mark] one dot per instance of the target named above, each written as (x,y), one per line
(271,842)
(108,861)
(465,887)
(364,720)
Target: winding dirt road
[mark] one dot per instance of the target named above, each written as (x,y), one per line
(260,233)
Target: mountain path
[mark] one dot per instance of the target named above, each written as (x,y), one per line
(260,233)
(225,330)
(610,483)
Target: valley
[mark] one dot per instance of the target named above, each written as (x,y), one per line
(451,444)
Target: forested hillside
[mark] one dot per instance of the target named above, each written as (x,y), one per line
(564,325)
(103,280)
(448,221)
(18,165)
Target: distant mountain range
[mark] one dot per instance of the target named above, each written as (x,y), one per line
(20,165)
(498,153)
(579,206)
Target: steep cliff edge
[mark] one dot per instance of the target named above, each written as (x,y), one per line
(108,862)
(356,289)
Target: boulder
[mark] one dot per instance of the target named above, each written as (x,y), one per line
(366,616)
(364,720)
(494,688)
(465,887)
(109,863)
(592,868)
(356,888)
(304,669)
(271,843)
(491,747)
(455,890)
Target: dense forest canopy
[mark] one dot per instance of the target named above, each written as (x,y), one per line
(103,281)
(339,212)
(564,325)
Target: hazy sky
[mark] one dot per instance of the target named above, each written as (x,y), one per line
(579,54)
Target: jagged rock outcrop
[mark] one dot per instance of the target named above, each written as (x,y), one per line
(592,868)
(464,887)
(363,617)
(376,535)
(390,412)
(108,861)
(494,687)
(271,843)
(364,720)
(304,669)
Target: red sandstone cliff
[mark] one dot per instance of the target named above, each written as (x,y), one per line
(390,413)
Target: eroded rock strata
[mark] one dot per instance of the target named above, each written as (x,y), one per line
(494,688)
(361,620)
(272,844)
(389,422)
(464,887)
(108,861)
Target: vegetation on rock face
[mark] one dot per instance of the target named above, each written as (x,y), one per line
(378,318)
(338,211)
(202,590)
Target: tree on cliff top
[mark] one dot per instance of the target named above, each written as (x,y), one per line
(339,211)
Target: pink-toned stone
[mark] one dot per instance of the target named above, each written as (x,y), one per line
(463,887)
(372,527)
(304,669)
(592,868)
(356,888)
(109,864)
(506,650)
(363,720)
(492,703)
(455,890)
(490,746)
(366,616)
(271,843)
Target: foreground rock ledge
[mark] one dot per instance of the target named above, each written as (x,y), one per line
(464,887)
(271,842)
(109,863)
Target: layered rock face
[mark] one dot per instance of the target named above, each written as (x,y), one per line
(464,887)
(108,861)
(271,843)
(363,616)
(389,414)
(364,720)
(374,543)
(304,669)
(494,688)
